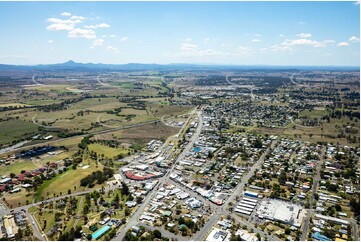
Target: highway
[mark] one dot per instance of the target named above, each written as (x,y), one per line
(293,81)
(240,86)
(15,147)
(140,210)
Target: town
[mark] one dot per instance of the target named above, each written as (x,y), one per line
(181,156)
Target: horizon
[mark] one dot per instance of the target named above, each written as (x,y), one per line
(195,64)
(211,33)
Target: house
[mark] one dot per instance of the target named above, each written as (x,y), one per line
(130,204)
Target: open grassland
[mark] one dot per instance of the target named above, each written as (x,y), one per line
(62,182)
(16,129)
(168,110)
(17,167)
(18,199)
(107,151)
(13,105)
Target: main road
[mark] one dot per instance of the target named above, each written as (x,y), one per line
(140,210)
(316,179)
(235,85)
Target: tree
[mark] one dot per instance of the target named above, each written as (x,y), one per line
(124,189)
(287,231)
(157,234)
(139,200)
(338,208)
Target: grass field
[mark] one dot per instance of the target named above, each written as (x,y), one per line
(13,105)
(108,152)
(16,129)
(17,167)
(62,182)
(21,197)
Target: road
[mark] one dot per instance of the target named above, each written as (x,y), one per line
(293,81)
(217,211)
(35,226)
(140,210)
(240,86)
(15,148)
(164,232)
(37,83)
(246,177)
(293,122)
(206,229)
(316,179)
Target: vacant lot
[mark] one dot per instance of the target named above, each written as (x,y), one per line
(16,129)
(107,151)
(62,182)
(17,167)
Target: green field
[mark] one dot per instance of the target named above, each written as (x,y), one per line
(107,151)
(62,182)
(17,167)
(16,129)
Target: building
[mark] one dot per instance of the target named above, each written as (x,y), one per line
(245,236)
(281,211)
(217,235)
(320,237)
(10,226)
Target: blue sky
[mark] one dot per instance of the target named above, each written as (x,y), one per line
(244,33)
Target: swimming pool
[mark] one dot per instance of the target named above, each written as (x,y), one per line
(196,149)
(100,232)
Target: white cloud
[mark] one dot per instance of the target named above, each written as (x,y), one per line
(187,40)
(82,33)
(65,14)
(112,36)
(50,41)
(354,39)
(282,35)
(191,50)
(258,35)
(256,40)
(112,48)
(125,38)
(301,22)
(307,42)
(343,44)
(97,26)
(98,42)
(278,48)
(62,24)
(304,35)
(77,17)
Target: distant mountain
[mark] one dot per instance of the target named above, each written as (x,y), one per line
(74,66)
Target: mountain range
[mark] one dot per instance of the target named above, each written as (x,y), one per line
(74,66)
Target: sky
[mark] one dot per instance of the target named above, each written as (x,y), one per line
(236,33)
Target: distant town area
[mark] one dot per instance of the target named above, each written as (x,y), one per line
(180,154)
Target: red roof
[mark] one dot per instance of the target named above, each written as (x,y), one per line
(2,188)
(131,175)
